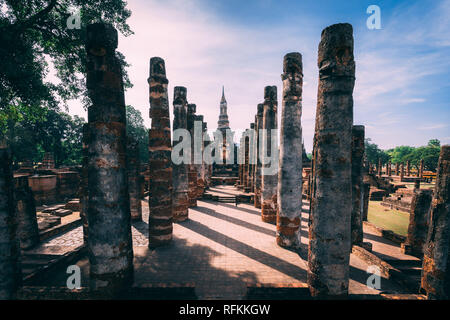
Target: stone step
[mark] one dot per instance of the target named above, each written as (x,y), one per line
(404,264)
(73,205)
(62,212)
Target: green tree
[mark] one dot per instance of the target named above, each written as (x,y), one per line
(52,131)
(401,154)
(429,154)
(34,33)
(434,143)
(136,129)
(373,153)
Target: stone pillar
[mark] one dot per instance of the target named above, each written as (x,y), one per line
(160,162)
(418,223)
(207,167)
(84,195)
(436,264)
(416,184)
(200,186)
(258,178)
(421,168)
(180,171)
(192,172)
(408,167)
(291,147)
(251,159)
(10,268)
(331,207)
(203,171)
(134,187)
(240,167)
(397,167)
(109,241)
(380,168)
(27,226)
(365,197)
(246,162)
(389,168)
(402,171)
(255,155)
(269,182)
(357,181)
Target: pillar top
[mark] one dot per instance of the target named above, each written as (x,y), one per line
(292,63)
(260,109)
(445,152)
(101,38)
(179,93)
(192,108)
(336,51)
(358,129)
(270,93)
(157,68)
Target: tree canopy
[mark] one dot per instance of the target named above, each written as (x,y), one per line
(52,131)
(34,34)
(136,129)
(429,154)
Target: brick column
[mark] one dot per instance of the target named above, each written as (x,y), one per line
(357,181)
(134,186)
(27,226)
(84,194)
(418,224)
(408,171)
(180,175)
(291,147)
(109,241)
(258,178)
(246,162)
(192,172)
(331,205)
(389,169)
(10,268)
(200,183)
(203,167)
(380,168)
(160,163)
(269,182)
(397,167)
(365,200)
(255,154)
(416,184)
(402,171)
(421,168)
(436,259)
(251,159)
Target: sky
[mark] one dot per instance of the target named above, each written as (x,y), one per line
(402,89)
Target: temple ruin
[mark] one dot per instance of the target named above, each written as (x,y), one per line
(266,222)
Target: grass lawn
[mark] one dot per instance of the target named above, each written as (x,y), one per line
(388,219)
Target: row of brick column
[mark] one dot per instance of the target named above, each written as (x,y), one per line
(400,169)
(180,171)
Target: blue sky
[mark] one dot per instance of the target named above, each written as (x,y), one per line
(402,89)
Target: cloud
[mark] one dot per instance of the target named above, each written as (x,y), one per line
(204,51)
(433,126)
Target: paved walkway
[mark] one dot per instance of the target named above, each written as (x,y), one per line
(221,249)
